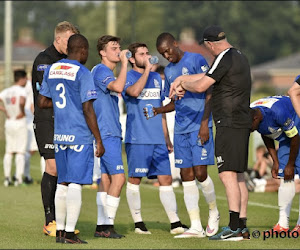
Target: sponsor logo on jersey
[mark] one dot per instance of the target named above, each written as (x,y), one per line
(204,68)
(64,138)
(185,71)
(42,67)
(76,148)
(141,170)
(178,161)
(149,94)
(156,83)
(266,102)
(63,71)
(92,93)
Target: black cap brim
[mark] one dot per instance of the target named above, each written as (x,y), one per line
(201,41)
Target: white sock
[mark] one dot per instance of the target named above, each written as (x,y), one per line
(112,204)
(7,165)
(168,200)
(191,199)
(298,222)
(27,165)
(74,201)
(60,206)
(101,204)
(20,164)
(134,201)
(43,165)
(208,191)
(286,193)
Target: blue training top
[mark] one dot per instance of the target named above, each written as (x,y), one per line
(139,130)
(190,109)
(69,84)
(106,106)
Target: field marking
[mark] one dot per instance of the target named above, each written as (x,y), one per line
(223,198)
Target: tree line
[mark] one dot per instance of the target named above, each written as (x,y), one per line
(263,30)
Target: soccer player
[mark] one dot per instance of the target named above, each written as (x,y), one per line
(231,79)
(193,135)
(13,99)
(275,118)
(147,141)
(69,88)
(108,115)
(31,146)
(43,120)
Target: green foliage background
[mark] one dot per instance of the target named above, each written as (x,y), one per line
(263,30)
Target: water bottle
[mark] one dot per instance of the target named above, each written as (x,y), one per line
(149,109)
(153,59)
(128,54)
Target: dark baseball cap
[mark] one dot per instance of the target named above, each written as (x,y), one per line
(212,33)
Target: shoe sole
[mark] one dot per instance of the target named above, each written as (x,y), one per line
(233,239)
(140,231)
(177,230)
(186,236)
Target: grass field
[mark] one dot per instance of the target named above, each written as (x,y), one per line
(22,218)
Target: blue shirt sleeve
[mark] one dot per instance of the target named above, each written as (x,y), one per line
(201,65)
(103,76)
(87,87)
(166,89)
(45,91)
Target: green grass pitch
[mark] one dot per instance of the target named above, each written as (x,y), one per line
(22,218)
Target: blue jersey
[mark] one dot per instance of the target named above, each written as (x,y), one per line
(139,130)
(69,84)
(190,109)
(106,106)
(280,121)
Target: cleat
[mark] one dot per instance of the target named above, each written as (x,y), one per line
(178,228)
(140,228)
(50,229)
(212,225)
(108,233)
(60,236)
(228,235)
(140,231)
(74,240)
(278,228)
(28,180)
(245,234)
(296,229)
(191,233)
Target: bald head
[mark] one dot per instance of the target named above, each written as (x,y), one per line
(78,47)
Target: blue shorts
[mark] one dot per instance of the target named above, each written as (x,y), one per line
(111,161)
(189,154)
(147,160)
(283,155)
(74,163)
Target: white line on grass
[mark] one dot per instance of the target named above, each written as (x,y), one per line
(251,203)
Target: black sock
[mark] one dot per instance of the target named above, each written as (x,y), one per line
(234,220)
(69,235)
(100,228)
(176,224)
(242,223)
(48,188)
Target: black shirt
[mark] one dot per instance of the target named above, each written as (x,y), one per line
(44,58)
(232,89)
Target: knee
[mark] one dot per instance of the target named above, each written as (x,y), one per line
(187,174)
(50,167)
(201,176)
(165,180)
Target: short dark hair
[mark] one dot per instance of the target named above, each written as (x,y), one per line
(104,40)
(77,42)
(160,69)
(19,74)
(133,48)
(163,37)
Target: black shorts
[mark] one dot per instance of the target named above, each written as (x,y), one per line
(231,149)
(44,132)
